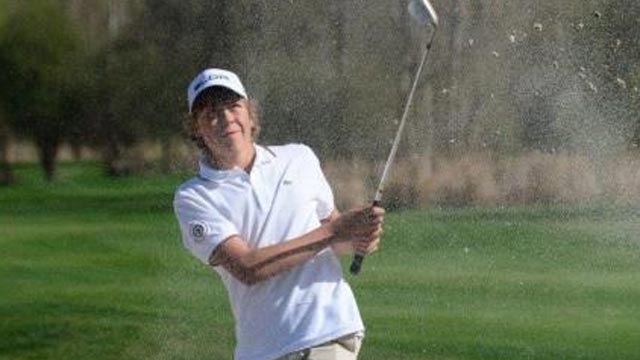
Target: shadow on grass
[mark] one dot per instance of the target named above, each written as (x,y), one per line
(109,204)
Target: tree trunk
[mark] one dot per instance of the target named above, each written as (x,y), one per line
(635,141)
(76,151)
(6,173)
(167,155)
(48,151)
(111,156)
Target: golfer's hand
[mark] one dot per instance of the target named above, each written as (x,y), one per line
(362,227)
(366,246)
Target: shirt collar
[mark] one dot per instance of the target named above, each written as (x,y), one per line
(264,156)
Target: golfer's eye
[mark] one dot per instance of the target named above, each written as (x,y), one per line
(209,116)
(233,106)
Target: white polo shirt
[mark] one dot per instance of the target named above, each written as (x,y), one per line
(284,196)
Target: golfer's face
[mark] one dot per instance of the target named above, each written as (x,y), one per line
(226,125)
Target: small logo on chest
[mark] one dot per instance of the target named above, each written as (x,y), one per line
(287,182)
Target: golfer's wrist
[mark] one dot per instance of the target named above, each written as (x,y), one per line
(328,231)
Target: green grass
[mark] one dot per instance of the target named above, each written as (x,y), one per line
(93,268)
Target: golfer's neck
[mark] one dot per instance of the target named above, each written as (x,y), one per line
(230,159)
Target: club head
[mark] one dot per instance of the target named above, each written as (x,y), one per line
(423,12)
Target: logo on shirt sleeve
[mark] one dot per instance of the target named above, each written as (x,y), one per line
(197,231)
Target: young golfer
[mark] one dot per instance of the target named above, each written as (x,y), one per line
(264,218)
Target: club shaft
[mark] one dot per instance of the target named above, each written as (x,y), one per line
(396,142)
(358,259)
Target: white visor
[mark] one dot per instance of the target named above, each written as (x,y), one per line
(214,77)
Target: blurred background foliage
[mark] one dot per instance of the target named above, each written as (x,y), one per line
(504,79)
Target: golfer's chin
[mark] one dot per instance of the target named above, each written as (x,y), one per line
(234,141)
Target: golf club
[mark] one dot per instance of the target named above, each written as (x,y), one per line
(423,13)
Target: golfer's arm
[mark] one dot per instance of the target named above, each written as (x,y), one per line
(254,265)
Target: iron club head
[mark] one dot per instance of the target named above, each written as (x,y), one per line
(423,12)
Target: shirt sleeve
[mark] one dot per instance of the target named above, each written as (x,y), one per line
(203,228)
(324,194)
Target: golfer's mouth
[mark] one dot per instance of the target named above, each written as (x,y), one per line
(231,133)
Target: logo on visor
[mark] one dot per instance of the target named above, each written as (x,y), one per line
(197,231)
(210,78)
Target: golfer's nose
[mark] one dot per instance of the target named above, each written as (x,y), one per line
(226,116)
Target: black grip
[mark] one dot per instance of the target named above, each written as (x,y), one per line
(356,263)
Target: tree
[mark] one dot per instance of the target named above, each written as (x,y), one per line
(613,65)
(38,51)
(186,36)
(117,102)
(6,173)
(142,73)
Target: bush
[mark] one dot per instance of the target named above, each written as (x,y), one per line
(484,180)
